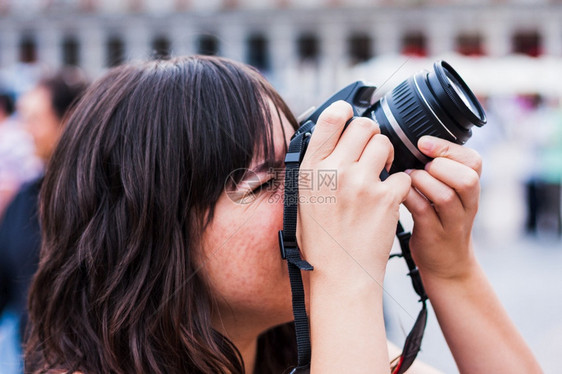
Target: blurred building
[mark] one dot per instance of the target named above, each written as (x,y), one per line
(310,48)
(272,34)
(311,42)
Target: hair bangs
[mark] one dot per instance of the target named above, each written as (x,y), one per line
(239,131)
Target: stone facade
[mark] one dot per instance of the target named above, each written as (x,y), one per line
(323,37)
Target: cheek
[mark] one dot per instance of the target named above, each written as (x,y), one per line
(242,259)
(44,131)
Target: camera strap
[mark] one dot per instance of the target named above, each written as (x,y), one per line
(412,344)
(291,252)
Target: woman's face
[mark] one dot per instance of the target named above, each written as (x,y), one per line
(241,257)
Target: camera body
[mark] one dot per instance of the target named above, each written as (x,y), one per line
(437,103)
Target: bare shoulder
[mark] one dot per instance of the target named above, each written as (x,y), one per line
(417,367)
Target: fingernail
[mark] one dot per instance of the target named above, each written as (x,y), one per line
(408,171)
(426,144)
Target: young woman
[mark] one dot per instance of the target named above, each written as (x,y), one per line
(155,260)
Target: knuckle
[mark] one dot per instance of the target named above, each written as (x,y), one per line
(405,180)
(357,186)
(476,161)
(336,114)
(365,123)
(437,163)
(385,190)
(425,209)
(445,150)
(382,145)
(382,193)
(448,196)
(332,118)
(470,181)
(383,141)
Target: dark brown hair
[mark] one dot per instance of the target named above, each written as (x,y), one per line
(65,87)
(143,157)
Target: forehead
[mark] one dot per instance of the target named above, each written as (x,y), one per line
(282,130)
(38,97)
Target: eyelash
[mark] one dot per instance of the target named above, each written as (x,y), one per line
(264,185)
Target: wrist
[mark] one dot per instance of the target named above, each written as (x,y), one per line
(345,284)
(446,263)
(463,277)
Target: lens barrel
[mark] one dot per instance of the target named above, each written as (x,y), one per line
(437,103)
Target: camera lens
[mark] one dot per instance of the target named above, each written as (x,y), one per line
(437,103)
(459,91)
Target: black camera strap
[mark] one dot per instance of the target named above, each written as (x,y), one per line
(291,252)
(412,344)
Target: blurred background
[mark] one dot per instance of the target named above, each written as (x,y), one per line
(508,51)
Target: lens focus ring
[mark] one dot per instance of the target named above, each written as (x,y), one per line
(406,103)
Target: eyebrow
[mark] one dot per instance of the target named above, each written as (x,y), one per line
(269,164)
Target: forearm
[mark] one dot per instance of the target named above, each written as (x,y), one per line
(347,329)
(478,330)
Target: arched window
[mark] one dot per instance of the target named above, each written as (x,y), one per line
(258,52)
(308,47)
(208,45)
(414,44)
(161,47)
(70,51)
(360,48)
(28,49)
(115,51)
(527,42)
(470,45)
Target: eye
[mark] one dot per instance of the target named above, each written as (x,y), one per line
(267,186)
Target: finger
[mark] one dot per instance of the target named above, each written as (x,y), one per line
(328,129)
(437,147)
(463,179)
(399,184)
(355,138)
(420,207)
(444,199)
(378,153)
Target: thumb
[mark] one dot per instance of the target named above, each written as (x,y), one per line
(328,130)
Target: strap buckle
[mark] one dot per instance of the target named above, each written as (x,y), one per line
(290,251)
(285,243)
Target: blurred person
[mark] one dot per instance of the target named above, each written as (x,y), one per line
(18,162)
(6,107)
(41,111)
(547,176)
(150,263)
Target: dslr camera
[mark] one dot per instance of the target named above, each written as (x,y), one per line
(437,103)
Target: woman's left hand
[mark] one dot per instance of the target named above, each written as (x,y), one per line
(443,201)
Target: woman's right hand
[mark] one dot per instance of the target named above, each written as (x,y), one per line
(348,227)
(346,233)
